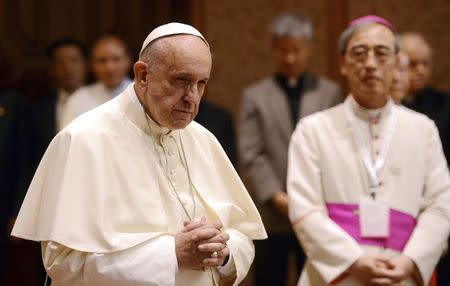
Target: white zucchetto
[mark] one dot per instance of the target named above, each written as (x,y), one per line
(171,29)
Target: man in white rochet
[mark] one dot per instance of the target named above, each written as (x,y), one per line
(368,184)
(135,193)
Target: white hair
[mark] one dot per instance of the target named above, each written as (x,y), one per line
(289,24)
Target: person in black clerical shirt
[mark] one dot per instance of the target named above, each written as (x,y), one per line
(269,112)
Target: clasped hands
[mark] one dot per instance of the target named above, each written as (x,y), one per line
(201,243)
(381,270)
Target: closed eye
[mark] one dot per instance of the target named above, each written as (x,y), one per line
(181,78)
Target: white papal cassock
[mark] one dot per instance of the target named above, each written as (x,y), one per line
(102,203)
(327,179)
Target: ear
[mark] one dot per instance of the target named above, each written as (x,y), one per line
(342,67)
(140,73)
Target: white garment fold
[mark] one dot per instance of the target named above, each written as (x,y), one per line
(99,190)
(151,263)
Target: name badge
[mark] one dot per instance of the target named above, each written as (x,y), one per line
(373,218)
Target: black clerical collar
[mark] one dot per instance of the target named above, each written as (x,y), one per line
(283,82)
(293,93)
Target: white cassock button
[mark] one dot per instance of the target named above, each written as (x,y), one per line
(395,170)
(170,152)
(172,172)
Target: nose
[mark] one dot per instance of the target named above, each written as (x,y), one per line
(421,67)
(371,61)
(192,94)
(289,58)
(110,65)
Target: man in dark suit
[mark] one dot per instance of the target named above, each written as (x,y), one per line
(431,102)
(220,123)
(422,97)
(10,114)
(43,115)
(42,119)
(270,110)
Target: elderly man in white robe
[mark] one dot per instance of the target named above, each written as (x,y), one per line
(135,193)
(368,184)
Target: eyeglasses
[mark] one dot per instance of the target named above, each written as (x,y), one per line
(362,53)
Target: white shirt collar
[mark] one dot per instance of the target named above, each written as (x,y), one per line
(370,114)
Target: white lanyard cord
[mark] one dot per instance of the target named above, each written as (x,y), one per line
(372,168)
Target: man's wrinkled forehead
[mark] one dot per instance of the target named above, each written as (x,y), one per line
(372,34)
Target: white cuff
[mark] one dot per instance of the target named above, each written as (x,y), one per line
(227,269)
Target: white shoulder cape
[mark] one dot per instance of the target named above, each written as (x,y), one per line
(97,188)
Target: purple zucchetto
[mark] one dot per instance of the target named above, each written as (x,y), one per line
(371,19)
(355,25)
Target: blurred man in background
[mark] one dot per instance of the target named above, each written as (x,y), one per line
(43,118)
(111,63)
(431,102)
(270,110)
(45,115)
(400,84)
(422,97)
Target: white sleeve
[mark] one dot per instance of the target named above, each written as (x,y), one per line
(430,235)
(150,263)
(243,254)
(330,250)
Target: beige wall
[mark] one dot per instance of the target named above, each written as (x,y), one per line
(237,31)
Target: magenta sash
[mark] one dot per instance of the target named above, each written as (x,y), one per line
(400,228)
